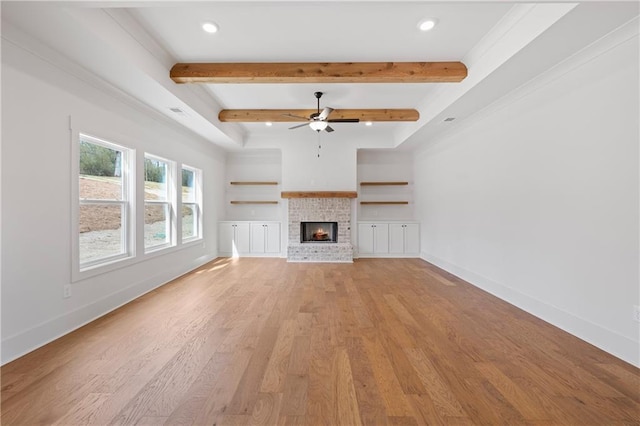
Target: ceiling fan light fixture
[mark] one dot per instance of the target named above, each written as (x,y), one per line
(210,27)
(427,24)
(318,125)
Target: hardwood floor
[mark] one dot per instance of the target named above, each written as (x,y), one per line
(262,341)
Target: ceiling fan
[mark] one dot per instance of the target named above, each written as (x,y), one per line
(319,120)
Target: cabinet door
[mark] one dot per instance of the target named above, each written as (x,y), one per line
(412,238)
(225,237)
(257,237)
(272,238)
(396,238)
(242,238)
(381,238)
(365,238)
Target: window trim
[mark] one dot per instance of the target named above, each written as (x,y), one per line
(90,128)
(170,203)
(196,222)
(197,202)
(80,271)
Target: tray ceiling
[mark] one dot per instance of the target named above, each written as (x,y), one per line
(130,48)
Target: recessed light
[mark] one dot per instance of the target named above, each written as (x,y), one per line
(268,124)
(210,27)
(368,123)
(427,24)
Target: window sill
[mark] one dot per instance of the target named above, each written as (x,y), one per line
(102,268)
(192,241)
(113,265)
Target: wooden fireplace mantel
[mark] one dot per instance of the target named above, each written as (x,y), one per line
(319,194)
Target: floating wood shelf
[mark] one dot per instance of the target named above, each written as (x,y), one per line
(254,183)
(319,194)
(382,202)
(382,183)
(254,202)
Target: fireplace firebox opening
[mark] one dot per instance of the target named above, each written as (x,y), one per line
(318,232)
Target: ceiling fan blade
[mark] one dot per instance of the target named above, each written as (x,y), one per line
(299,125)
(325,113)
(328,129)
(344,120)
(295,116)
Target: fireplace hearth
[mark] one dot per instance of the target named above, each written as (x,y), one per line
(318,232)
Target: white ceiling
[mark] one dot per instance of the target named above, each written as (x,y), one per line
(319,31)
(130,47)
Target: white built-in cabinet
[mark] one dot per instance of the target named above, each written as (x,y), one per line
(404,238)
(234,238)
(373,238)
(247,238)
(388,239)
(265,237)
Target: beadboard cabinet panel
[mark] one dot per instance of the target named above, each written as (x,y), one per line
(247,238)
(388,239)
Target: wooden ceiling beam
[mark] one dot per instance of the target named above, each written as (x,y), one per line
(320,72)
(279,115)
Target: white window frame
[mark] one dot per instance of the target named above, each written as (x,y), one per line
(196,203)
(97,266)
(169,203)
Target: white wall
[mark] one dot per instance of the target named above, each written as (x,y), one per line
(334,170)
(536,198)
(336,167)
(38,101)
(383,165)
(264,165)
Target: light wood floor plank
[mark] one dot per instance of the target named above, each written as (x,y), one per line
(372,411)
(273,380)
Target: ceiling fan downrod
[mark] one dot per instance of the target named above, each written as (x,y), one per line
(318,95)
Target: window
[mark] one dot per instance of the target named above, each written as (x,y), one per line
(158,202)
(108,222)
(191,211)
(103,218)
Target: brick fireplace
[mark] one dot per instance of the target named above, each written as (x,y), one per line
(333,207)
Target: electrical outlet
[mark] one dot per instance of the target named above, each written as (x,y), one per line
(636,313)
(67,291)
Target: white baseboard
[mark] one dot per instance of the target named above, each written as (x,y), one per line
(319,261)
(388,256)
(20,344)
(609,341)
(227,254)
